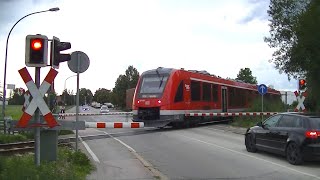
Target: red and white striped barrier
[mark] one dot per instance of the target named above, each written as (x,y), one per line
(114,124)
(232,114)
(95,114)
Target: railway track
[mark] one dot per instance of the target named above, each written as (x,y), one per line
(28,146)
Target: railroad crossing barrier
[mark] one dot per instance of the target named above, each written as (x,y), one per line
(94,114)
(232,114)
(114,124)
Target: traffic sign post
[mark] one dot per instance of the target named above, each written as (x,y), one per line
(79,63)
(262,89)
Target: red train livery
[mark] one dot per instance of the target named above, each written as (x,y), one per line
(164,95)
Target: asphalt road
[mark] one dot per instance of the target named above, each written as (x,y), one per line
(204,152)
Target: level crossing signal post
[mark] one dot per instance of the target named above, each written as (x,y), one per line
(301,94)
(36,55)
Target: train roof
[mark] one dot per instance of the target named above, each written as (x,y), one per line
(160,70)
(207,77)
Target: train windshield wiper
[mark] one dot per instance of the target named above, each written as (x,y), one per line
(161,81)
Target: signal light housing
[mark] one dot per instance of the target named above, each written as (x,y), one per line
(56,57)
(302,84)
(36,52)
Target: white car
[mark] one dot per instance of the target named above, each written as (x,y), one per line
(104,109)
(85,108)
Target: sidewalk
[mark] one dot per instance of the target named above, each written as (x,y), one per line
(112,160)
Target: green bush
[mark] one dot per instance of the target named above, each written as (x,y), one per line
(70,165)
(268,106)
(9,138)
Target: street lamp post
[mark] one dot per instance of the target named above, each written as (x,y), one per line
(64,97)
(5,60)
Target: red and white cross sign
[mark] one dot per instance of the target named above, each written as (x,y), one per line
(300,101)
(37,101)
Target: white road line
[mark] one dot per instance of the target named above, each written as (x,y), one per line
(237,152)
(121,142)
(95,158)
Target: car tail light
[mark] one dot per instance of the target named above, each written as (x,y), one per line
(312,134)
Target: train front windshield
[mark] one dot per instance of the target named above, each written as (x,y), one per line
(153,86)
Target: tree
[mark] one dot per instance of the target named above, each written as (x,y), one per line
(295,37)
(68,97)
(245,75)
(102,96)
(85,96)
(16,98)
(124,82)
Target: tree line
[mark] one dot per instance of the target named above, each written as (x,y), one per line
(116,96)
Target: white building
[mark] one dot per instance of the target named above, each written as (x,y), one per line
(290,97)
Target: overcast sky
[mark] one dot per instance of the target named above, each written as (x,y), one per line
(219,36)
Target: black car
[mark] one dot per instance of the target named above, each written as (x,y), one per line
(294,135)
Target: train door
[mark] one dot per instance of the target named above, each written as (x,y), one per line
(224,96)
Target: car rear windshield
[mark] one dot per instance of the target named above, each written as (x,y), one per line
(315,123)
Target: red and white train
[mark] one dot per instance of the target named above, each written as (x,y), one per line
(164,95)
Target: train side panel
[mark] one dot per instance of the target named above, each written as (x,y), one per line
(164,96)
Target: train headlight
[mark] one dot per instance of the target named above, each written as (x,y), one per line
(159,101)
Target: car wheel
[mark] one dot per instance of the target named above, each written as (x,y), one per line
(250,143)
(294,155)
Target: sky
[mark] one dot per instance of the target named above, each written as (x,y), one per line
(218,36)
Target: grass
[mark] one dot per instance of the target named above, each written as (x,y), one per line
(69,165)
(15,111)
(6,138)
(65,132)
(25,136)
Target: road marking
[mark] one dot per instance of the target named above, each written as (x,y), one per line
(95,158)
(237,152)
(145,163)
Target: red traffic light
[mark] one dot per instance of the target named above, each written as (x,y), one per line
(36,51)
(302,84)
(36,44)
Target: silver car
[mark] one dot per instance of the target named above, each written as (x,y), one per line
(104,109)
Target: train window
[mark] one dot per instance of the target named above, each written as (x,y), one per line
(242,97)
(153,84)
(215,93)
(231,96)
(195,91)
(179,93)
(206,95)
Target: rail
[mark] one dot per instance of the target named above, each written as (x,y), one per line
(28,146)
